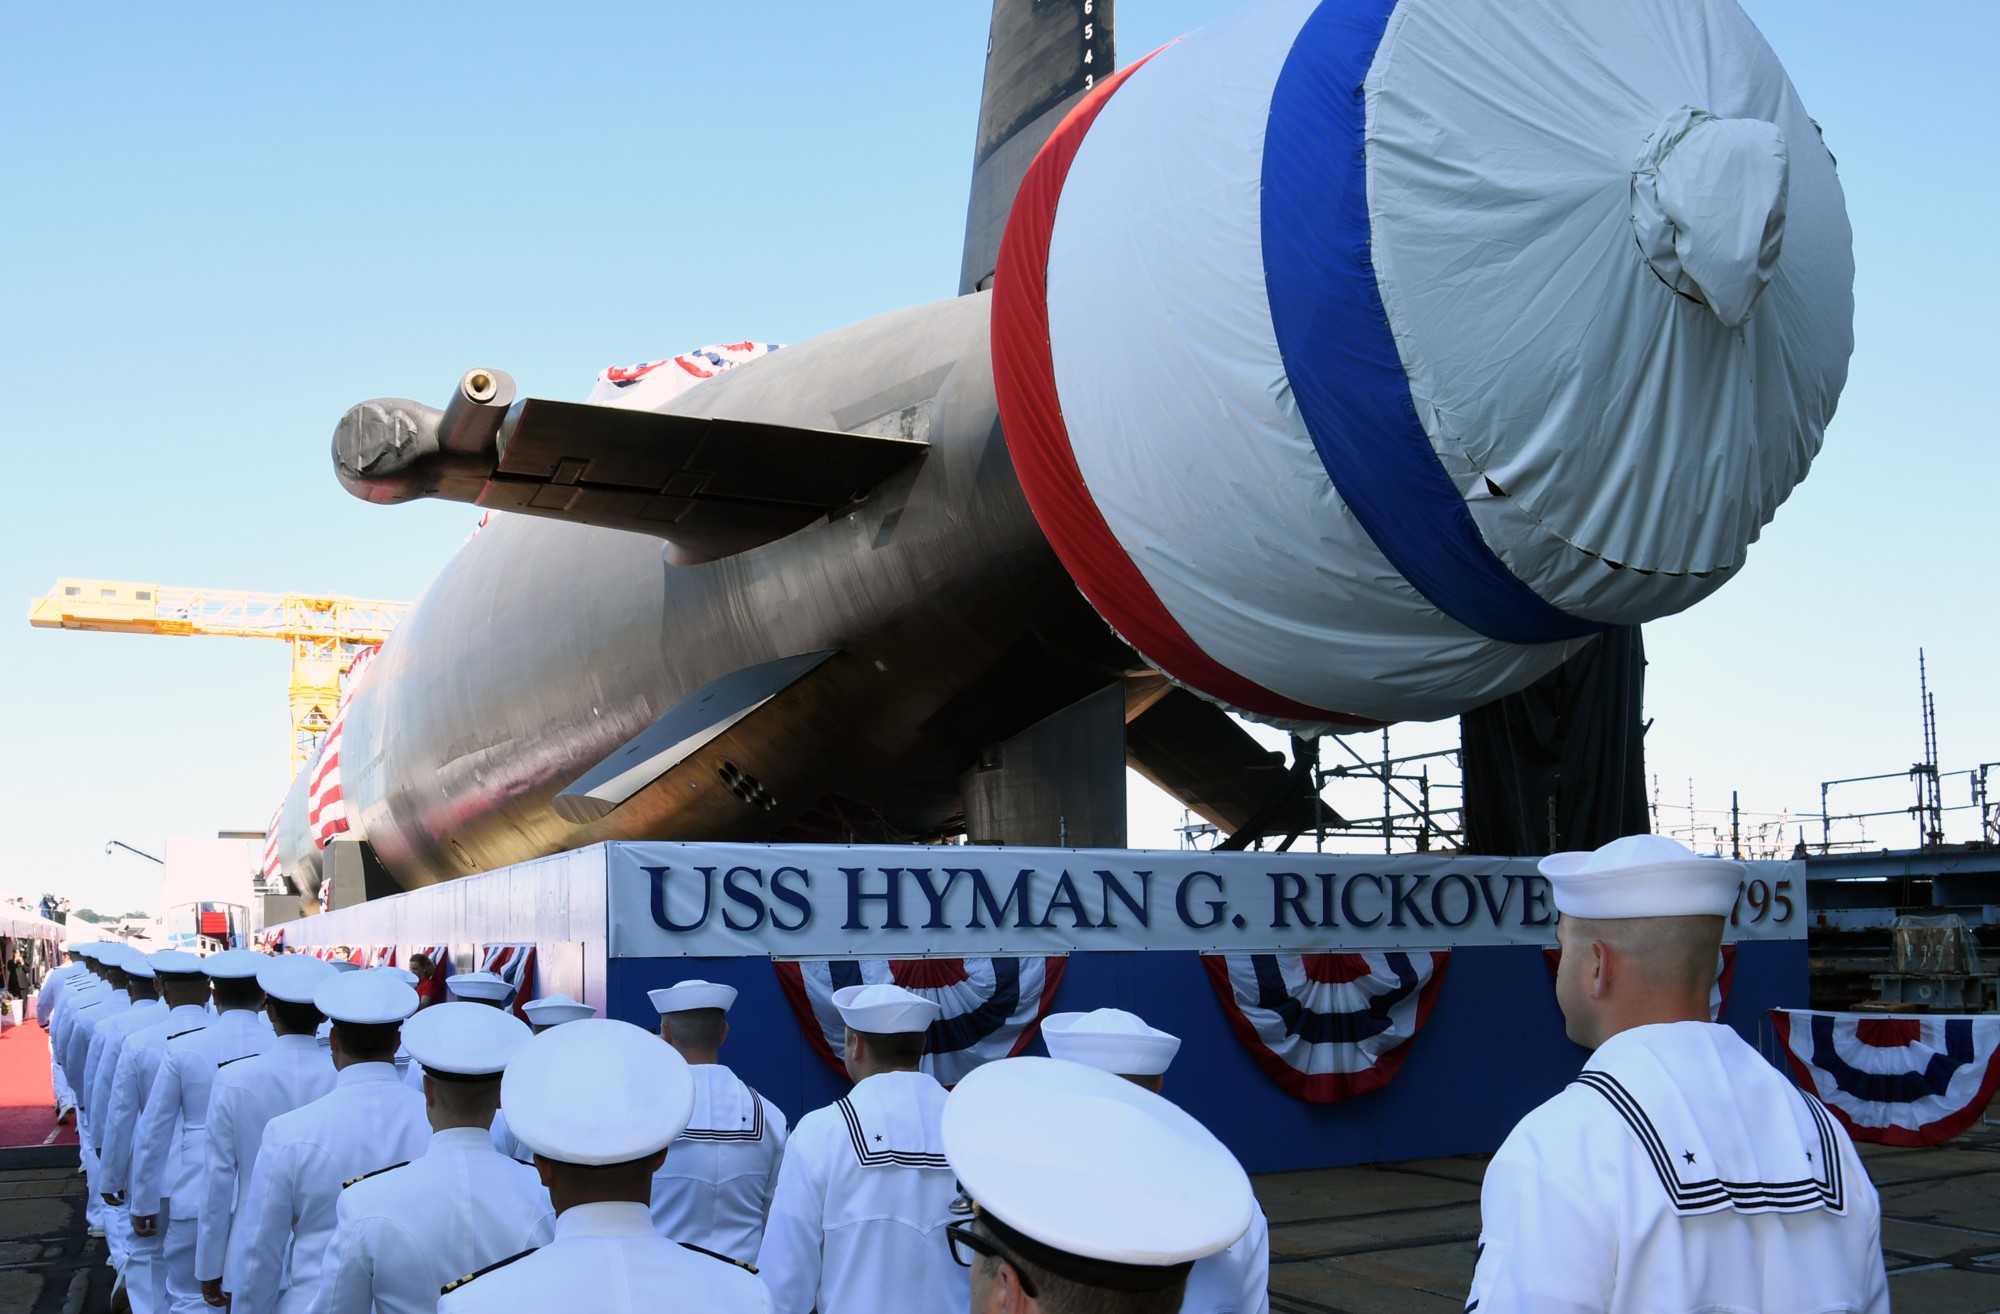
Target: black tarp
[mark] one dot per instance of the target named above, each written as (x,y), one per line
(1561,764)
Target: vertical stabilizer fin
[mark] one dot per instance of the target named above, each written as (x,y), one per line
(1041,56)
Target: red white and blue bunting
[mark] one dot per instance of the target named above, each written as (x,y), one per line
(1896,1080)
(991,1005)
(1718,994)
(514,964)
(1327,1027)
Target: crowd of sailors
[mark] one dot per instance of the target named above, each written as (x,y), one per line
(275,1133)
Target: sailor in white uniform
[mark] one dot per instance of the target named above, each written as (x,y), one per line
(1679,1171)
(864,1192)
(293,1071)
(101,1067)
(1083,1191)
(170,1144)
(48,999)
(369,1120)
(1236,1280)
(553,1011)
(598,1102)
(493,991)
(403,1233)
(715,1187)
(183,985)
(92,1008)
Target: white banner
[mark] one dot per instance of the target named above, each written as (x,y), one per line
(958,901)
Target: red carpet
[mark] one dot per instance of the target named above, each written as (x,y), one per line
(27,1100)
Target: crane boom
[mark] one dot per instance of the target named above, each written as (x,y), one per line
(326,633)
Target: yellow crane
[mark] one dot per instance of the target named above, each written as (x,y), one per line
(326,633)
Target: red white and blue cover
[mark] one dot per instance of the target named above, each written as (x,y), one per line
(1897,1080)
(1327,1027)
(991,1005)
(1362,359)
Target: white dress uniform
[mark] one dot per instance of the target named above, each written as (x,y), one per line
(857,1220)
(598,1092)
(369,1120)
(607,1258)
(138,1066)
(170,1153)
(1680,1171)
(293,1072)
(403,1234)
(107,1048)
(1236,1281)
(716,1185)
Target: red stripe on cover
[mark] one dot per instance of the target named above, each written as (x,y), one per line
(1038,440)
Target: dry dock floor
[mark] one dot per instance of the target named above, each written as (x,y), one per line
(1392,1238)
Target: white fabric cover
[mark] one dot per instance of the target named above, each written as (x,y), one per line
(1543,352)
(1181,416)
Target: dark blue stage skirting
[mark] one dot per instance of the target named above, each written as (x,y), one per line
(1492,1049)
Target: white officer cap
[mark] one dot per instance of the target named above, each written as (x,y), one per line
(177,962)
(479,985)
(596,1092)
(884,1010)
(1641,876)
(1091,1177)
(364,998)
(685,996)
(132,962)
(555,1010)
(233,964)
(1111,1040)
(87,949)
(294,978)
(403,974)
(342,964)
(464,1040)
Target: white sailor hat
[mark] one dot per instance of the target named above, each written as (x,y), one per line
(1641,876)
(597,1092)
(233,964)
(1091,1177)
(882,1009)
(479,985)
(554,1010)
(294,978)
(177,962)
(132,962)
(364,998)
(1111,1040)
(684,996)
(467,1041)
(342,964)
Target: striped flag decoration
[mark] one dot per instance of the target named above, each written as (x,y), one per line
(514,964)
(326,810)
(991,1005)
(1896,1080)
(272,865)
(1327,1027)
(1718,994)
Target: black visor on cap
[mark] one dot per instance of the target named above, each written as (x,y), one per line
(1105,1274)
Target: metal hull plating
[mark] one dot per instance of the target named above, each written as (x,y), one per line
(543,646)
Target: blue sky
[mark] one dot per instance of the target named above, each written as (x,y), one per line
(226,223)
